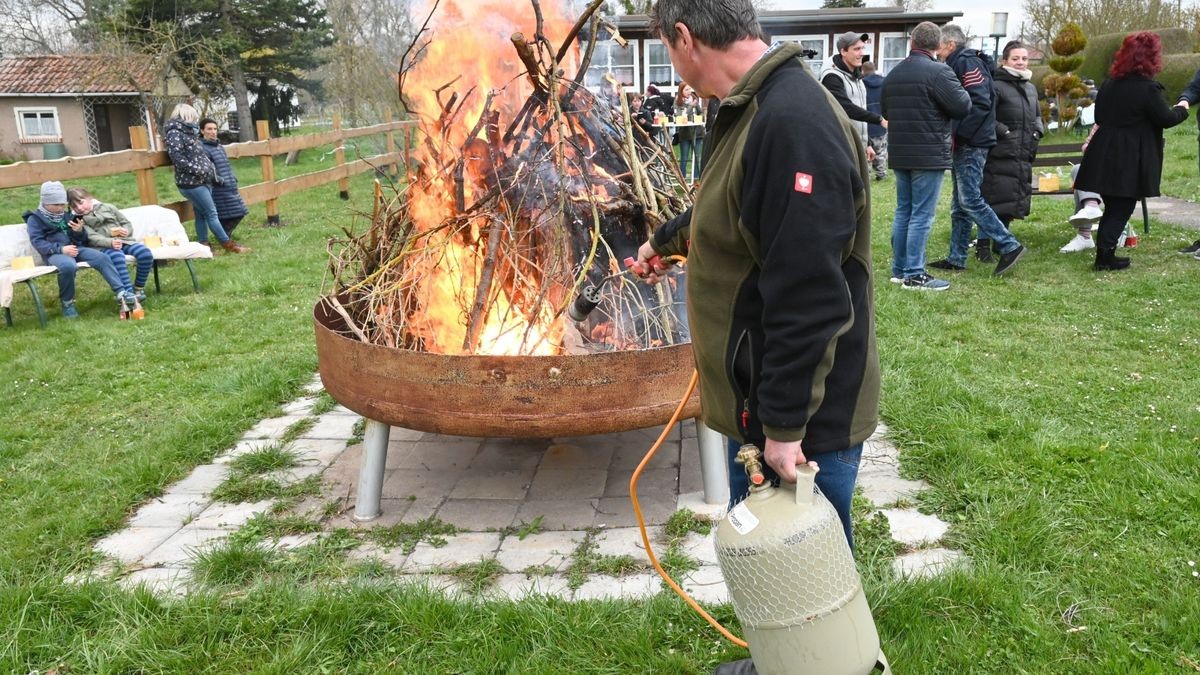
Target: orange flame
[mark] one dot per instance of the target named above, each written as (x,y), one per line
(470,46)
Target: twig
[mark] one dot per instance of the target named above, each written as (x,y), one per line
(337,306)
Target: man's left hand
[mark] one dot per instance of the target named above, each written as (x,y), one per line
(870,154)
(783,457)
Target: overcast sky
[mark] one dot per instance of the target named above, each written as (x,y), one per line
(976,18)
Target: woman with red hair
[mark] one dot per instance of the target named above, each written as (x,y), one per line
(1123,160)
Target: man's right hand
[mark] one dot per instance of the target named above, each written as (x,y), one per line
(71,250)
(646,270)
(117,244)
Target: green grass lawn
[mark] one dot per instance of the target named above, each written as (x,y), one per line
(1055,412)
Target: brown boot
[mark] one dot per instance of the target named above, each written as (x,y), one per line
(234,247)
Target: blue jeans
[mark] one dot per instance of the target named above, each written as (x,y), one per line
(206,213)
(968,206)
(838,472)
(145,262)
(689,153)
(917,195)
(67,268)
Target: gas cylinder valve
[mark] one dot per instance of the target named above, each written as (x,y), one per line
(748,457)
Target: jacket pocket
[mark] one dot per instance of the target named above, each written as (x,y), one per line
(741,368)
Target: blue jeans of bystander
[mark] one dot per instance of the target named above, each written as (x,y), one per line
(206,213)
(968,207)
(68,267)
(916,202)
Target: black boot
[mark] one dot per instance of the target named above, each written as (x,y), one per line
(983,251)
(1107,259)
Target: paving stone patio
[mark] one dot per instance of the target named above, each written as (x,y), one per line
(575,490)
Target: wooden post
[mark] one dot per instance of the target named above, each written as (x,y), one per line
(267,161)
(340,152)
(147,193)
(390,146)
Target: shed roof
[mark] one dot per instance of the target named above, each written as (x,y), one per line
(80,74)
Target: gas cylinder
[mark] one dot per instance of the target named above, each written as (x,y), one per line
(792,579)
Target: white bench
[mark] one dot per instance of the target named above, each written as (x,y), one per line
(148,221)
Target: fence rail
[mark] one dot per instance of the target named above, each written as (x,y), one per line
(141,162)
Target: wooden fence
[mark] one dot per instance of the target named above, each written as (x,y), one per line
(141,161)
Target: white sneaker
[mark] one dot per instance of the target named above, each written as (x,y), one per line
(1079,243)
(896,280)
(1086,216)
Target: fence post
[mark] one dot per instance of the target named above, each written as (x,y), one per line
(139,138)
(267,161)
(390,147)
(340,153)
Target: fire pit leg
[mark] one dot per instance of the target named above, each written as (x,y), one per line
(370,473)
(714,465)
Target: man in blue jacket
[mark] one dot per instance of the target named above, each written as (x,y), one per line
(974,136)
(59,237)
(876,133)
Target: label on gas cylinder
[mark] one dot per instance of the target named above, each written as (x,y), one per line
(742,519)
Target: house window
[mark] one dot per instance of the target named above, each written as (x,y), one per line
(895,50)
(610,57)
(38,125)
(659,70)
(816,43)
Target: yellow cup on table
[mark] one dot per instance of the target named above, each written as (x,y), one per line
(697,119)
(153,241)
(680,119)
(22,262)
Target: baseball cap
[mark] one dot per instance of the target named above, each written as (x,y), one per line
(846,40)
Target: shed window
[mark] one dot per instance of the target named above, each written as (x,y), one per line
(38,125)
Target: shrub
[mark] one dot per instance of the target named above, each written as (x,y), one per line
(1178,71)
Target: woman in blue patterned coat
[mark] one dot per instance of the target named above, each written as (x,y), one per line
(195,174)
(230,206)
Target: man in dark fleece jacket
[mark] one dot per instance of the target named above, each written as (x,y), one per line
(778,244)
(974,136)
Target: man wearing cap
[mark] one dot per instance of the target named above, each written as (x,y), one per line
(842,76)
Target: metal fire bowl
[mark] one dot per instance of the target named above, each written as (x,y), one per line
(502,396)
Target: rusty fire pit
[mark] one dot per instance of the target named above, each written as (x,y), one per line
(502,396)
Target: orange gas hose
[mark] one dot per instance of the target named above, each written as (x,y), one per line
(637,512)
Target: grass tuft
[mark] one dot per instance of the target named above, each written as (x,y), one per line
(406,536)
(477,577)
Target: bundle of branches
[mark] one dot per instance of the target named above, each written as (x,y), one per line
(494,235)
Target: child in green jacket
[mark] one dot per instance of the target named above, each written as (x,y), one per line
(110,231)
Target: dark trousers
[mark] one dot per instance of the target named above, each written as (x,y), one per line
(1116,215)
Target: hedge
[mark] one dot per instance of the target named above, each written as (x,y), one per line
(1177,42)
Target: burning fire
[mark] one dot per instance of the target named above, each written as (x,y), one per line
(471,43)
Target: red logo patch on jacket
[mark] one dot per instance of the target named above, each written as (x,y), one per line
(804,183)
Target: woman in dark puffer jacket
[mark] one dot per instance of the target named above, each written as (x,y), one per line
(1008,174)
(195,174)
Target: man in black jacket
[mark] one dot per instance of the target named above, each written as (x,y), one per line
(974,136)
(920,96)
(778,243)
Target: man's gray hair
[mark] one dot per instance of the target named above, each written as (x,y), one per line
(952,33)
(926,35)
(716,23)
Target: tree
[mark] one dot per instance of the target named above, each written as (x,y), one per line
(1045,18)
(1063,84)
(913,5)
(370,38)
(232,46)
